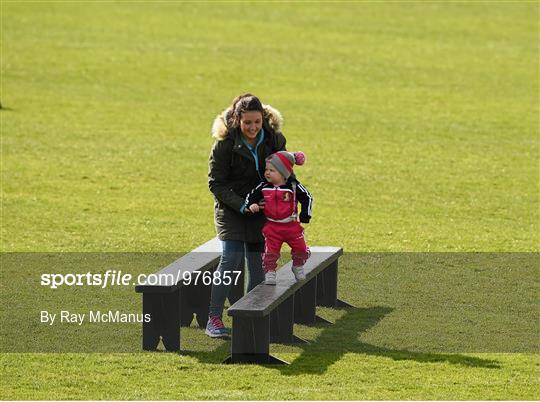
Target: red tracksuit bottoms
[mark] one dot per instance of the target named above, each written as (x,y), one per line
(275,234)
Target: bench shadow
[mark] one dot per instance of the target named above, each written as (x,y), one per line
(342,337)
(339,338)
(214,356)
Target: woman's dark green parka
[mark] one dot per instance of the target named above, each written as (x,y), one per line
(233,174)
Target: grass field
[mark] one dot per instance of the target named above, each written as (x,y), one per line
(420,123)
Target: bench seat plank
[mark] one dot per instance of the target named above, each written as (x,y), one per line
(264,298)
(202,258)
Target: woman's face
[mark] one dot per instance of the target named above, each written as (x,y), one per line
(251,124)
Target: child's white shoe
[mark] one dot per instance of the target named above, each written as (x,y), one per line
(299,273)
(270,278)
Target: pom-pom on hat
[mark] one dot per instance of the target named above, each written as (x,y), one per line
(284,161)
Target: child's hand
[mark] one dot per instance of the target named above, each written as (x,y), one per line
(254,208)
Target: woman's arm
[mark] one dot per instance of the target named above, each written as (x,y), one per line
(281,142)
(218,176)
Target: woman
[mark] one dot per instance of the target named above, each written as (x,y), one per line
(246,133)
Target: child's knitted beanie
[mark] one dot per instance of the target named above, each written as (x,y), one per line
(283,161)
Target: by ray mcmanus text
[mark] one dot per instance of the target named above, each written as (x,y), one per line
(105,317)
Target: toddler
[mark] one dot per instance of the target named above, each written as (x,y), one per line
(281,193)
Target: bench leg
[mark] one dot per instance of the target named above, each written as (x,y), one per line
(304,303)
(186,311)
(151,331)
(327,288)
(195,300)
(282,323)
(251,342)
(202,303)
(164,311)
(237,290)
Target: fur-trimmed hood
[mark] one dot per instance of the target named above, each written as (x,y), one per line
(272,115)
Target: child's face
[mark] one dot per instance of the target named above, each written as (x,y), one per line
(272,175)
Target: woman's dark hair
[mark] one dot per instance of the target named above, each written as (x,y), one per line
(241,104)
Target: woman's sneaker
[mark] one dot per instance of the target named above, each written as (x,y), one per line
(299,273)
(270,278)
(215,328)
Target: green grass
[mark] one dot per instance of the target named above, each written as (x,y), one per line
(354,376)
(420,124)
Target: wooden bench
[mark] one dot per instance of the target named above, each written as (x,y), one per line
(172,304)
(268,313)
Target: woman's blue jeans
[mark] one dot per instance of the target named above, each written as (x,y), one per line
(232,259)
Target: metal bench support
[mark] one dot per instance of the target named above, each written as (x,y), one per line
(237,290)
(304,303)
(164,311)
(282,323)
(327,288)
(251,342)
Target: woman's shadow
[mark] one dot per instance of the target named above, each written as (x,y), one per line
(340,338)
